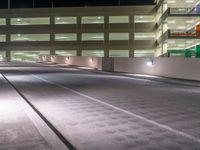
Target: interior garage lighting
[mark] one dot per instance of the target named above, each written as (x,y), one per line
(171,2)
(171,21)
(189,21)
(189,1)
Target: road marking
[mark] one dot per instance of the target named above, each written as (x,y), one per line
(122,110)
(52,136)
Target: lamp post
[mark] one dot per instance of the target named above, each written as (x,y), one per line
(8,4)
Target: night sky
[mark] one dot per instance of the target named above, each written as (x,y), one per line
(68,3)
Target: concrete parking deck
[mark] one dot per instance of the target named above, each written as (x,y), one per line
(106,112)
(17,131)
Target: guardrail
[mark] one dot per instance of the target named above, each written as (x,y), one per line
(185,11)
(183,33)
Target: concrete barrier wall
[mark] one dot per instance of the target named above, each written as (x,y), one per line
(182,68)
(90,62)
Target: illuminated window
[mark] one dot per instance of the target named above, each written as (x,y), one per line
(118,53)
(2,21)
(93,20)
(66,52)
(30,37)
(144,36)
(119,19)
(93,37)
(27,56)
(65,20)
(66,37)
(119,36)
(144,53)
(30,21)
(144,19)
(2,38)
(94,53)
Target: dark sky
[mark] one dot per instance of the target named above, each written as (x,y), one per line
(65,3)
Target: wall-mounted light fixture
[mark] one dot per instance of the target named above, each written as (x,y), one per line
(66,59)
(91,60)
(150,62)
(53,59)
(44,58)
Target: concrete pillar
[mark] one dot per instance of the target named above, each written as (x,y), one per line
(8,55)
(52,36)
(79,36)
(52,52)
(131,36)
(106,36)
(8,40)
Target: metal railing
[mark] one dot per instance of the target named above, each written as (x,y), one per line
(183,33)
(185,11)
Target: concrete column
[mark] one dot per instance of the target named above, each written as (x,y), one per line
(8,40)
(106,36)
(79,36)
(52,20)
(8,55)
(162,51)
(51,48)
(131,36)
(52,52)
(52,36)
(8,21)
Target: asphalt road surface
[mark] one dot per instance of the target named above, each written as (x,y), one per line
(96,111)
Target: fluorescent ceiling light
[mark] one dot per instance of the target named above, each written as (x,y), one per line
(97,37)
(98,17)
(181,45)
(182,9)
(189,21)
(171,1)
(171,21)
(62,37)
(189,42)
(181,27)
(97,22)
(189,1)
(171,42)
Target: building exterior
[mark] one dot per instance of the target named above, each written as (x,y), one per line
(178,28)
(118,31)
(168,29)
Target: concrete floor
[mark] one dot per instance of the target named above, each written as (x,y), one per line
(96,111)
